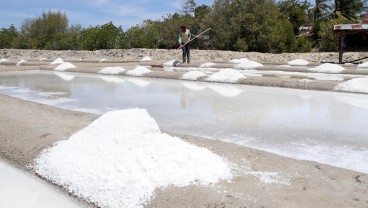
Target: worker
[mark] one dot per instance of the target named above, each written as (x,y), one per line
(184,38)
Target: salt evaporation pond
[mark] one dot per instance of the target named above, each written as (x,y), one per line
(326,127)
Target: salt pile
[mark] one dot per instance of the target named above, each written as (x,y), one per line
(207,65)
(57,61)
(146,58)
(112,70)
(64,66)
(3,60)
(122,158)
(193,75)
(102,60)
(328,68)
(20,62)
(363,65)
(238,61)
(226,75)
(298,62)
(354,85)
(172,63)
(42,59)
(248,65)
(138,71)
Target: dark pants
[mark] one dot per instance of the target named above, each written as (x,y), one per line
(186,53)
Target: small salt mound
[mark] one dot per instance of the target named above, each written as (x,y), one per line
(238,61)
(64,66)
(111,70)
(363,65)
(193,75)
(354,85)
(207,65)
(102,60)
(226,75)
(328,68)
(122,158)
(146,58)
(172,63)
(138,71)
(298,62)
(3,60)
(66,77)
(20,62)
(42,59)
(245,65)
(57,61)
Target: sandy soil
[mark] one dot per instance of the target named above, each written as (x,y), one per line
(28,127)
(262,179)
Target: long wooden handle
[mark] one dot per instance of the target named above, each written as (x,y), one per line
(193,38)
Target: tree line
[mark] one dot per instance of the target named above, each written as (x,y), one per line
(238,25)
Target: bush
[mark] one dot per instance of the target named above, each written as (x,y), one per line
(328,40)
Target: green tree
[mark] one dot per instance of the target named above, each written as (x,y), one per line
(143,36)
(295,11)
(349,9)
(329,41)
(188,6)
(7,36)
(106,36)
(40,32)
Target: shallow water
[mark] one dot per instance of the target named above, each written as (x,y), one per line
(326,127)
(20,189)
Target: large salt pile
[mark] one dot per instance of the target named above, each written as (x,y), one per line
(193,75)
(112,70)
(57,61)
(226,75)
(122,158)
(3,60)
(64,66)
(354,85)
(328,68)
(138,71)
(298,62)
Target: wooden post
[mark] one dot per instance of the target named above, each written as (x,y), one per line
(341,47)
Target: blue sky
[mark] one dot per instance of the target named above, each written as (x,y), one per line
(91,12)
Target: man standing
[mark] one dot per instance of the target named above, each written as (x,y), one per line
(184,38)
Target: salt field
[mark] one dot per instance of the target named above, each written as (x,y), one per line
(326,127)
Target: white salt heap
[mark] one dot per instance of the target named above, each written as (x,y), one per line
(362,66)
(226,75)
(207,65)
(246,65)
(138,71)
(64,66)
(328,68)
(3,60)
(122,158)
(146,58)
(172,63)
(354,85)
(298,62)
(112,70)
(20,62)
(102,60)
(57,61)
(193,75)
(238,61)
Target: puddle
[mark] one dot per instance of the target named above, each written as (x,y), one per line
(326,127)
(20,189)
